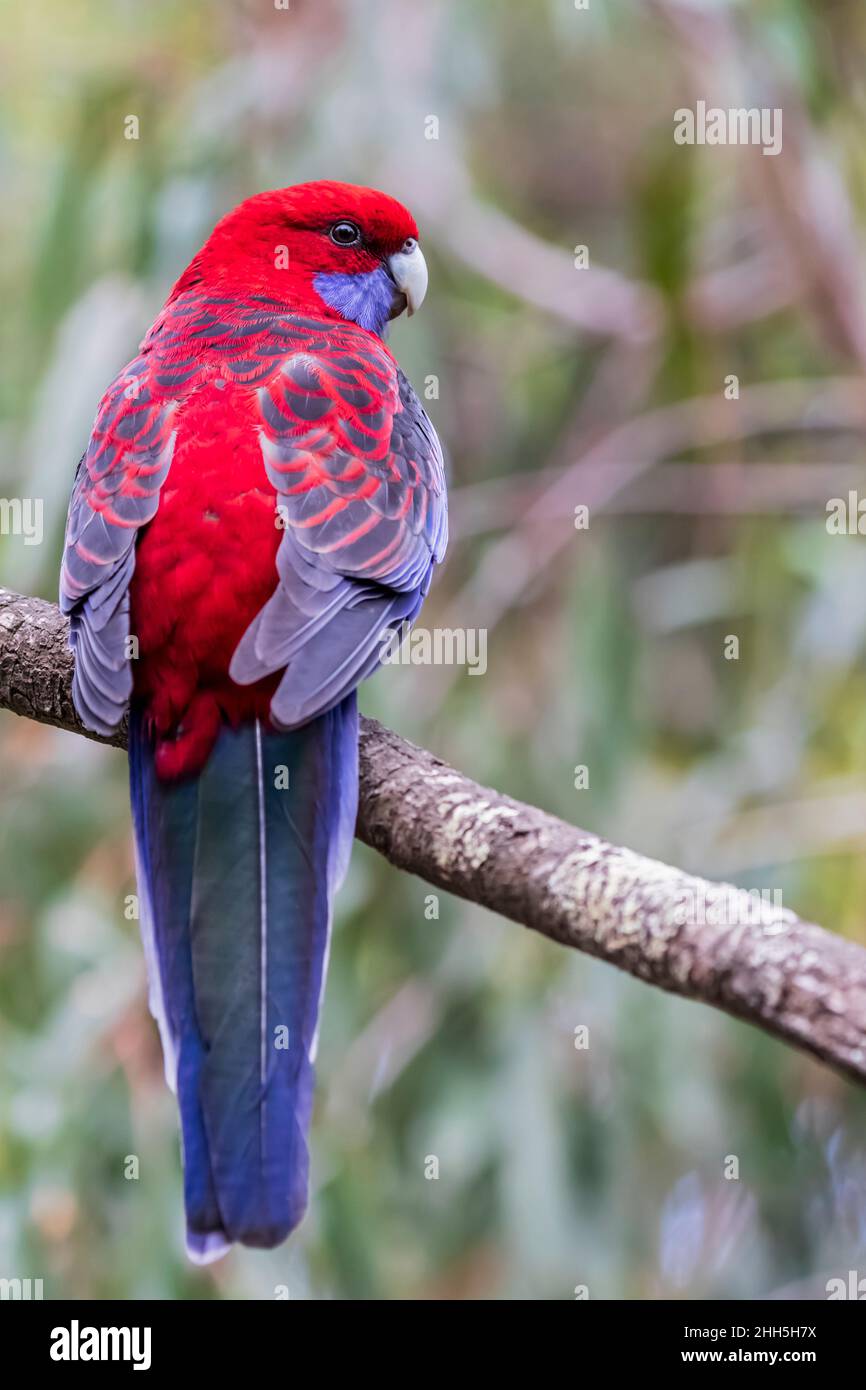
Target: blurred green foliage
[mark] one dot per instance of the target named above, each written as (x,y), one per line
(454,1036)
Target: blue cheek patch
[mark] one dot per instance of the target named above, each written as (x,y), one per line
(364,299)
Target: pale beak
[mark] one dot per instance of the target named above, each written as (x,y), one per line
(409,273)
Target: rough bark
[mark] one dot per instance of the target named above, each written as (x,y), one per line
(705,941)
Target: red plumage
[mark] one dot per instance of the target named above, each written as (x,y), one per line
(217,388)
(204,568)
(241,254)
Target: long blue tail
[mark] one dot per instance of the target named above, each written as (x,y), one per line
(237,869)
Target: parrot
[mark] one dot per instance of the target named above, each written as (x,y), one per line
(259,510)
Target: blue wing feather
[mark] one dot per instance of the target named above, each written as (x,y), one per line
(366,522)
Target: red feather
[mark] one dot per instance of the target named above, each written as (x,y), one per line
(255,389)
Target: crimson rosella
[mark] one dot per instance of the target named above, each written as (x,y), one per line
(261,504)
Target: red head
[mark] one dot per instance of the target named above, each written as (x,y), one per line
(333,249)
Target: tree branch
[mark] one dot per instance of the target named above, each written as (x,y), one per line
(763,964)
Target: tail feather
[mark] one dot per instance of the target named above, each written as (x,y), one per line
(238,870)
(165,817)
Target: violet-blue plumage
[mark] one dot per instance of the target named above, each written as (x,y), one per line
(238,869)
(99,556)
(366,299)
(162,817)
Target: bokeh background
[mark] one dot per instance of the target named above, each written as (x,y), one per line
(557,386)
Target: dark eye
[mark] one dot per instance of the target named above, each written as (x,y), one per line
(345,234)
